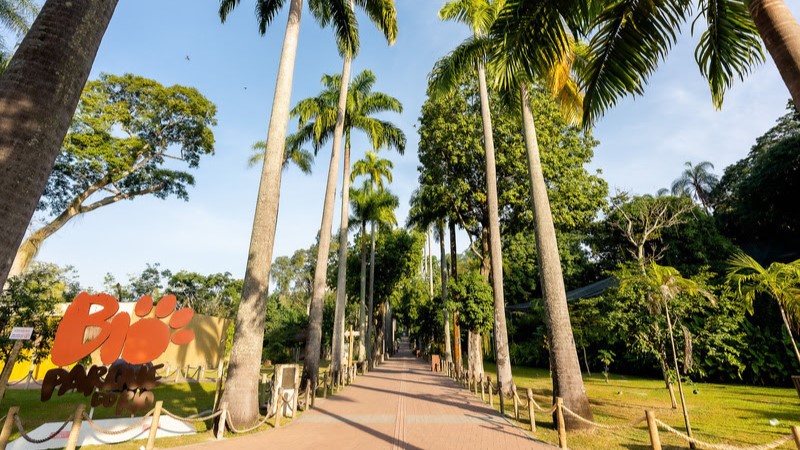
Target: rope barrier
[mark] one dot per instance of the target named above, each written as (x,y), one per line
(709,446)
(39,441)
(191,419)
(631,424)
(247,430)
(111,432)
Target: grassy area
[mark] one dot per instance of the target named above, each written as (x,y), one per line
(731,414)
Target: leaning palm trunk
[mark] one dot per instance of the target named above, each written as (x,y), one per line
(448,356)
(241,385)
(789,331)
(39,92)
(781,34)
(314,335)
(341,291)
(500,333)
(362,350)
(370,306)
(678,375)
(567,381)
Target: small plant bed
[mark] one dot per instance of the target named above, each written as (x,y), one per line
(736,415)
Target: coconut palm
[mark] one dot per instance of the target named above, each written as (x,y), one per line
(39,92)
(697,182)
(479,16)
(241,390)
(318,119)
(16,17)
(780,281)
(663,284)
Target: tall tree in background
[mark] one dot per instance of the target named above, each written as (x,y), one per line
(697,182)
(97,168)
(241,391)
(479,15)
(16,16)
(39,92)
(317,125)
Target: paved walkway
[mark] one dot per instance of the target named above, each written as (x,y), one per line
(400,405)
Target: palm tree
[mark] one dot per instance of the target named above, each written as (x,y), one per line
(663,284)
(16,17)
(241,390)
(39,92)
(779,280)
(697,182)
(479,15)
(317,125)
(301,158)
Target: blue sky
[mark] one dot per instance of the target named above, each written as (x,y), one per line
(644,142)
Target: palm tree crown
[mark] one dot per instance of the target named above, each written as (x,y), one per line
(375,169)
(697,181)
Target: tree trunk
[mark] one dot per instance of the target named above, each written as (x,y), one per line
(362,349)
(8,367)
(678,376)
(448,355)
(39,92)
(567,381)
(789,330)
(495,250)
(314,335)
(370,306)
(781,34)
(454,275)
(668,382)
(475,353)
(341,289)
(377,348)
(241,385)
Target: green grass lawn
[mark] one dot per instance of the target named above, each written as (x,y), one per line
(719,413)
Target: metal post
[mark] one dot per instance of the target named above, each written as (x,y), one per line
(529,394)
(75,431)
(562,431)
(655,440)
(223,417)
(151,438)
(8,426)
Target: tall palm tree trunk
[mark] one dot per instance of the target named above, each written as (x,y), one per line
(362,350)
(341,281)
(448,355)
(454,275)
(241,385)
(567,381)
(495,250)
(370,306)
(39,92)
(789,331)
(781,34)
(314,335)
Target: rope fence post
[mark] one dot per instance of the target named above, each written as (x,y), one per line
(75,431)
(325,385)
(8,426)
(218,387)
(501,397)
(483,394)
(529,394)
(263,389)
(313,386)
(295,399)
(151,437)
(222,418)
(562,431)
(279,410)
(655,440)
(491,397)
(308,397)
(516,401)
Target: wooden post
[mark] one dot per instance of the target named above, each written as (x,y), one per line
(516,401)
(200,372)
(308,397)
(313,392)
(295,399)
(75,431)
(279,410)
(325,385)
(655,440)
(178,374)
(501,397)
(151,438)
(562,431)
(531,413)
(483,393)
(491,397)
(8,426)
(218,388)
(223,417)
(263,389)
(796,435)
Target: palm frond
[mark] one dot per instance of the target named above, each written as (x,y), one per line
(383,14)
(631,38)
(730,47)
(340,16)
(448,71)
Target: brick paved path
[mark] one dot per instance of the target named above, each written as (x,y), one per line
(399,405)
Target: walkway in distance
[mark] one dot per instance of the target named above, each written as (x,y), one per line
(399,405)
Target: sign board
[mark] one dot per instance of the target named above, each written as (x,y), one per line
(354,333)
(21,333)
(286,376)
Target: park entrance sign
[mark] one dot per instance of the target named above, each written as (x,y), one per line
(93,322)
